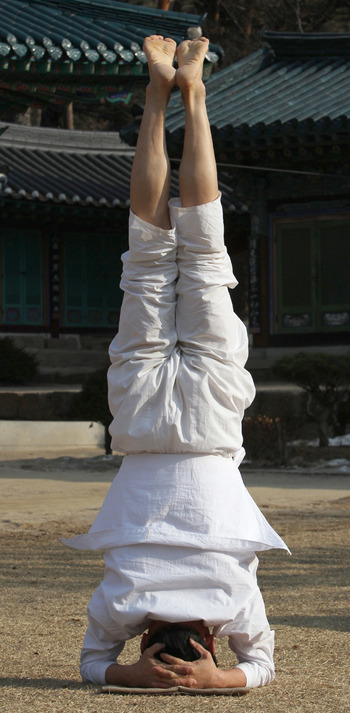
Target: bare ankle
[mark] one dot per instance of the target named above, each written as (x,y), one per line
(193,95)
(158,94)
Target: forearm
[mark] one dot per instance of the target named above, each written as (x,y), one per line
(232,678)
(121,675)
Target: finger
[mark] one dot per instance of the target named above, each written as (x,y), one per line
(174,670)
(203,652)
(172,659)
(188,682)
(152,651)
(161,684)
(156,647)
(164,674)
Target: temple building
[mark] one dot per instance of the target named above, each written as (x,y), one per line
(281,126)
(64,194)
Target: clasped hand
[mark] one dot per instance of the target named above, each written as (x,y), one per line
(149,672)
(204,672)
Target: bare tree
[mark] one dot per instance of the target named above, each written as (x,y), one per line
(237,24)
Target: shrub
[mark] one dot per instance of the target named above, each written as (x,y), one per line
(263,438)
(17,366)
(92,403)
(326,380)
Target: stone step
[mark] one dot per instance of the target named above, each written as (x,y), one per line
(50,402)
(44,341)
(64,375)
(69,359)
(65,342)
(39,402)
(261,360)
(43,435)
(57,358)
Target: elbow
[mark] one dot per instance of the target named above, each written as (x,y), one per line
(94,672)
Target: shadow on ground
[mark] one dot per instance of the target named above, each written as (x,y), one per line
(22,682)
(333,623)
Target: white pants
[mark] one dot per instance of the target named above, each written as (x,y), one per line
(177,382)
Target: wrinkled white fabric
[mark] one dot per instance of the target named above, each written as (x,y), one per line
(144,582)
(185,500)
(178,525)
(177,382)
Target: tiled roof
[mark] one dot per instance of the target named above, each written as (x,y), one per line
(297,84)
(41,35)
(76,168)
(66,167)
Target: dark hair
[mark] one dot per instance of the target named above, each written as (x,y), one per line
(176,640)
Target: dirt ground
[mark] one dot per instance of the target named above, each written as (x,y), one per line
(45,588)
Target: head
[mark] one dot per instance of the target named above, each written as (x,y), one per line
(176,639)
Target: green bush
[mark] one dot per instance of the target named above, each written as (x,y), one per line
(263,439)
(17,366)
(326,380)
(92,403)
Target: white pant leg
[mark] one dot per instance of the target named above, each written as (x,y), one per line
(146,336)
(187,396)
(213,340)
(205,321)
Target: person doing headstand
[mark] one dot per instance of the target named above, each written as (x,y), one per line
(178,526)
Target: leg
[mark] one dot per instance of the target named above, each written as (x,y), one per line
(213,340)
(150,177)
(197,174)
(147,334)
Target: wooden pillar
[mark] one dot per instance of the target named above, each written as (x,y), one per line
(35,116)
(163,4)
(258,266)
(55,286)
(214,12)
(68,117)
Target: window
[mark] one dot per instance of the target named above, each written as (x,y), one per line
(22,277)
(311,263)
(92,270)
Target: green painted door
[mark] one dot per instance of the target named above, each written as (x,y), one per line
(92,270)
(312,271)
(334,288)
(22,277)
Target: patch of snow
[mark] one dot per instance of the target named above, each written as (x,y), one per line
(341,464)
(338,466)
(337,441)
(340,440)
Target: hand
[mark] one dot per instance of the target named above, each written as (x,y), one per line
(205,671)
(149,672)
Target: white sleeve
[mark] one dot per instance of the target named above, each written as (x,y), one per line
(100,650)
(255,657)
(252,640)
(94,670)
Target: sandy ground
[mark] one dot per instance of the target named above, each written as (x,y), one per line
(40,490)
(45,588)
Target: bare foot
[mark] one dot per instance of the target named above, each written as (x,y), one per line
(190,57)
(160,53)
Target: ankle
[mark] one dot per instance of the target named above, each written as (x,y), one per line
(193,95)
(157,96)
